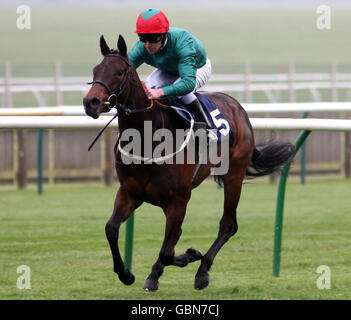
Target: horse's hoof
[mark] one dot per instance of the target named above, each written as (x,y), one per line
(193,255)
(127,277)
(202,282)
(150,285)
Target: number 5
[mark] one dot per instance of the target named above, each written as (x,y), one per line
(219,122)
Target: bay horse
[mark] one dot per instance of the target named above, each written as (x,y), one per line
(169,186)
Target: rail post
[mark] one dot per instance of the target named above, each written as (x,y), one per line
(303,157)
(7,86)
(248,93)
(128,247)
(40,162)
(278,226)
(22,180)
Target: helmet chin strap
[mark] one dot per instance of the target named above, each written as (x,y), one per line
(164,41)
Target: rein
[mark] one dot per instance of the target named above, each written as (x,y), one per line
(129,111)
(169,156)
(116,93)
(101,132)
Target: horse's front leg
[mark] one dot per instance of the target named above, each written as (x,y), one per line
(151,283)
(125,204)
(175,212)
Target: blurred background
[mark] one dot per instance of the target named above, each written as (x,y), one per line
(261,51)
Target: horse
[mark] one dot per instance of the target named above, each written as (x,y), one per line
(169,186)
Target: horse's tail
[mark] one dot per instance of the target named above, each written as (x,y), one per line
(270,158)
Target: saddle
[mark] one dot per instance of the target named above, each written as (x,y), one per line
(220,128)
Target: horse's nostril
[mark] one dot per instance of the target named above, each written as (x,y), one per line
(91,101)
(95,101)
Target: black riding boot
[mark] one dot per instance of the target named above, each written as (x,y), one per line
(199,112)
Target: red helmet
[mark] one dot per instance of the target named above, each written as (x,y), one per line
(152,21)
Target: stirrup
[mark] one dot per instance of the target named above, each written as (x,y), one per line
(200,125)
(199,112)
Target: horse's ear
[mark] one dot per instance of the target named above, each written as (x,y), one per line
(122,47)
(103,46)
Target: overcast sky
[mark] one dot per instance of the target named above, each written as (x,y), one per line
(155,3)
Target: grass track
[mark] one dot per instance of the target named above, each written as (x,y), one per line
(61,234)
(61,237)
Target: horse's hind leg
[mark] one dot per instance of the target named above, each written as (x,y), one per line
(228,226)
(124,206)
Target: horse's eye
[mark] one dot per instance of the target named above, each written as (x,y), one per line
(119,73)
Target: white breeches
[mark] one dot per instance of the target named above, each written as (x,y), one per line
(159,79)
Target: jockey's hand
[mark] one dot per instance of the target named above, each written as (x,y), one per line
(154,93)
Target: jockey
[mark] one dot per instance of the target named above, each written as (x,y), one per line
(180,59)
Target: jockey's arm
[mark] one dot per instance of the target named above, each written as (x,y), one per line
(186,68)
(187,72)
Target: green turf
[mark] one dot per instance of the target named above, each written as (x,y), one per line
(60,236)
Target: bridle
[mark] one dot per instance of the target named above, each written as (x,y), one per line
(116,93)
(128,111)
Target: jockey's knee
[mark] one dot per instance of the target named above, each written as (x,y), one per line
(188,98)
